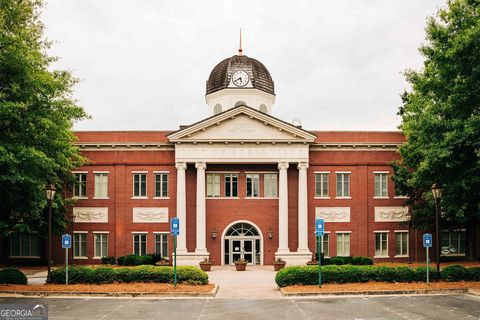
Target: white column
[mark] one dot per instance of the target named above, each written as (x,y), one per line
(283,208)
(181,207)
(302,208)
(201,219)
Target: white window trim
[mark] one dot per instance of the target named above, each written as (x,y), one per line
(401,197)
(386,182)
(213,174)
(161,172)
(343,172)
(231,185)
(159,198)
(161,232)
(106,172)
(139,198)
(328,184)
(95,245)
(261,198)
(223,172)
(341,232)
(321,172)
(322,198)
(142,232)
(146,184)
(383,256)
(133,241)
(408,244)
(81,198)
(74,172)
(387,172)
(246,185)
(155,184)
(100,198)
(222,198)
(73,244)
(100,172)
(349,240)
(345,198)
(401,231)
(261,172)
(381,197)
(276,185)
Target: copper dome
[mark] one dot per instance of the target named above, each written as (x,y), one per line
(221,74)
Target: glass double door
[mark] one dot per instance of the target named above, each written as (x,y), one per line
(242,249)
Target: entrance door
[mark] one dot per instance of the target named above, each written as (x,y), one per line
(242,249)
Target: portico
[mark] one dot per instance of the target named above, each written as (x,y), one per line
(243,136)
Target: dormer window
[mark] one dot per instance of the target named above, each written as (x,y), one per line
(240,103)
(263,108)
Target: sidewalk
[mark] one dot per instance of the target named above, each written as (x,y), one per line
(254,283)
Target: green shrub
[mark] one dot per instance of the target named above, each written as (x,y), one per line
(143,273)
(362,261)
(12,276)
(155,257)
(455,273)
(337,261)
(108,260)
(352,274)
(134,260)
(474,273)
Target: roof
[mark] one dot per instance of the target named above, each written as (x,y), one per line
(220,76)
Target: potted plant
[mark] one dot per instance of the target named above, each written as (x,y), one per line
(314,261)
(240,264)
(206,264)
(279,264)
(164,261)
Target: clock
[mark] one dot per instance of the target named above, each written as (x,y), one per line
(240,78)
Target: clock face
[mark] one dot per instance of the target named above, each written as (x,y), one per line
(240,78)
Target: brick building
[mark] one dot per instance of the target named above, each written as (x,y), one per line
(244,184)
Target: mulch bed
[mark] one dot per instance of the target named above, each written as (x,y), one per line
(381,286)
(114,287)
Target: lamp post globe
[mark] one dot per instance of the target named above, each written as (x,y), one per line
(437,196)
(50,192)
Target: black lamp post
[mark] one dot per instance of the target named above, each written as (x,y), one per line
(50,191)
(437,196)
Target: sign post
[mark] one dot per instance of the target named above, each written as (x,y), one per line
(427,243)
(175,231)
(319,231)
(66,244)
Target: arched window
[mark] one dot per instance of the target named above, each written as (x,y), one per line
(240,103)
(263,108)
(242,229)
(217,109)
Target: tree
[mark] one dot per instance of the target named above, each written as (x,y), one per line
(441,121)
(37,113)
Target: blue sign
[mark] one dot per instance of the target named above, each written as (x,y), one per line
(319,227)
(427,240)
(66,241)
(175,226)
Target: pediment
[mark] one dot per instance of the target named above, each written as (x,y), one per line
(242,124)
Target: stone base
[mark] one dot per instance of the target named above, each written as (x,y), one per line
(190,258)
(294,258)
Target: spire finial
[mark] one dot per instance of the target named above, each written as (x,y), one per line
(240,50)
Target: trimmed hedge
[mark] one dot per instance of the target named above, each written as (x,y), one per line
(135,260)
(12,276)
(362,261)
(350,274)
(109,260)
(145,273)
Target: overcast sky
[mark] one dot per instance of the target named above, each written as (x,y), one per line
(337,65)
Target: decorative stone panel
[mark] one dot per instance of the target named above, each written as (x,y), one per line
(333,214)
(90,215)
(150,215)
(391,214)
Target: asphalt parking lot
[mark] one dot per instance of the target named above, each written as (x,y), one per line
(358,307)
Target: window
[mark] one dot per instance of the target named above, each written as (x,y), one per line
(101,185)
(452,243)
(343,184)
(140,244)
(381,244)
(161,185)
(401,244)
(213,185)
(263,108)
(381,187)
(325,248)
(321,185)
(101,245)
(253,184)
(217,109)
(80,245)
(240,103)
(139,185)
(270,185)
(80,185)
(231,185)
(343,244)
(161,244)
(24,245)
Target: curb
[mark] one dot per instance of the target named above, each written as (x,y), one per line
(377,292)
(212,293)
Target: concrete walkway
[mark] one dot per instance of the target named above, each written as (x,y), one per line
(254,283)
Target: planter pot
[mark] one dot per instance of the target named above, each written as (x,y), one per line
(279,265)
(312,263)
(240,266)
(205,266)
